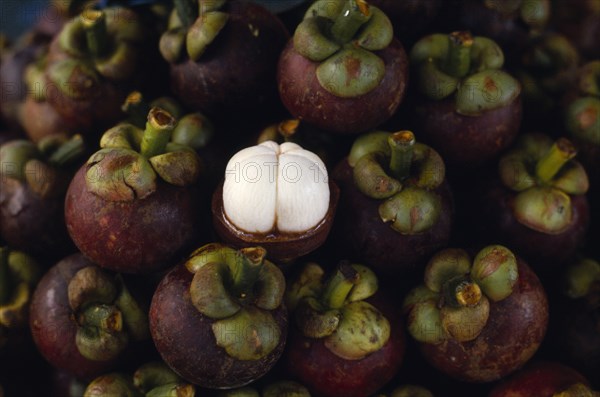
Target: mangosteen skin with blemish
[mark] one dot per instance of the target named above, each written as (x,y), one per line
(159,227)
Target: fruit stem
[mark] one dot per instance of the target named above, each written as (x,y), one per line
(462,292)
(186,11)
(103,317)
(137,108)
(555,158)
(354,14)
(401,146)
(68,152)
(458,61)
(4,276)
(158,131)
(94,22)
(247,271)
(339,286)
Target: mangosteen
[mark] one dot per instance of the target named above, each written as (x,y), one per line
(218,320)
(582,117)
(579,20)
(223,55)
(19,274)
(33,184)
(151,379)
(544,379)
(91,65)
(346,339)
(83,319)
(576,320)
(396,207)
(510,23)
(468,109)
(136,190)
(343,71)
(276,196)
(538,205)
(477,320)
(547,68)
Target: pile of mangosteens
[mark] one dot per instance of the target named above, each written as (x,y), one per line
(330,198)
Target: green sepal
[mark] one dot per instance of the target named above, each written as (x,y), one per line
(14,155)
(377,33)
(445,265)
(372,180)
(373,142)
(152,375)
(580,277)
(314,321)
(307,284)
(544,209)
(250,334)
(366,286)
(311,43)
(434,83)
(351,72)
(75,79)
(118,174)
(203,32)
(495,270)
(411,211)
(362,330)
(172,44)
(485,91)
(193,130)
(425,323)
(179,168)
(209,294)
(113,385)
(123,135)
(465,323)
(134,317)
(583,120)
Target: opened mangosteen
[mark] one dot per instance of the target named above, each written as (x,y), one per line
(152,379)
(468,108)
(538,206)
(33,183)
(346,339)
(223,55)
(479,319)
(544,379)
(91,65)
(218,320)
(19,275)
(83,319)
(276,196)
(133,206)
(343,71)
(396,206)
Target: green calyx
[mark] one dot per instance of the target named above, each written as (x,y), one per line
(285,388)
(154,379)
(395,168)
(107,316)
(464,66)
(577,390)
(105,40)
(335,310)
(192,28)
(342,36)
(131,159)
(41,166)
(238,290)
(534,13)
(411,391)
(581,278)
(545,175)
(19,274)
(583,115)
(454,301)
